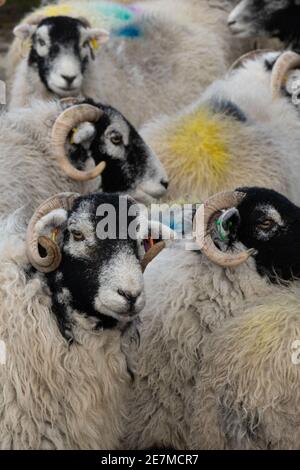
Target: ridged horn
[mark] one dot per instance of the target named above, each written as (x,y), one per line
(63,125)
(202,229)
(287,61)
(52,259)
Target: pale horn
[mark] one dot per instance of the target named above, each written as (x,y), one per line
(287,61)
(63,125)
(52,258)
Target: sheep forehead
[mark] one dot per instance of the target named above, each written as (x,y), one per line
(82,218)
(44,33)
(271,213)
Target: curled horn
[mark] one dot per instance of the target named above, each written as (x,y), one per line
(202,229)
(249,56)
(63,125)
(52,259)
(287,61)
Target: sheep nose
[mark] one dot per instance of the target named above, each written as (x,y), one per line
(164,183)
(131,299)
(69,79)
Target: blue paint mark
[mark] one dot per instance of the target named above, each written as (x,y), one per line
(116,11)
(130,31)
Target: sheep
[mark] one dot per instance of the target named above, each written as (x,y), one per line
(67,319)
(34,163)
(278,19)
(192,293)
(59,61)
(153,60)
(101,14)
(234,135)
(246,395)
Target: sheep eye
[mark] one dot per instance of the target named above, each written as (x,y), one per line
(116,138)
(85,44)
(78,236)
(266,224)
(41,42)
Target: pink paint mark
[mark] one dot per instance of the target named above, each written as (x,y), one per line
(135,9)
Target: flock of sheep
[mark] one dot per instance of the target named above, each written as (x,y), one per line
(109,344)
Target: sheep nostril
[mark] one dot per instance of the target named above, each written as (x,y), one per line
(131,299)
(69,79)
(165,184)
(231,22)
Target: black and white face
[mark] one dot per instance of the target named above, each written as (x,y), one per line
(61,50)
(259,17)
(100,277)
(131,166)
(269,223)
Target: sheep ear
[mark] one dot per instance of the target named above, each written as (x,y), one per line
(226,226)
(25,31)
(97,37)
(52,224)
(84,135)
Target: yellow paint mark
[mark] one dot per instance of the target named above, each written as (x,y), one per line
(58,10)
(260,330)
(199,142)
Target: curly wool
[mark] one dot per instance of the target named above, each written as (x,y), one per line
(54,395)
(247,394)
(194,299)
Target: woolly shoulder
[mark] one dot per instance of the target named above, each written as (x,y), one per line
(258,353)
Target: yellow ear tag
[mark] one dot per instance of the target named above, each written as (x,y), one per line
(94,44)
(73,134)
(25,47)
(54,234)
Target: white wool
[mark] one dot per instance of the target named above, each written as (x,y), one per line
(54,395)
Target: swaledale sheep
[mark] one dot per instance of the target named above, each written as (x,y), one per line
(192,293)
(100,14)
(152,60)
(247,394)
(234,135)
(64,321)
(267,18)
(34,164)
